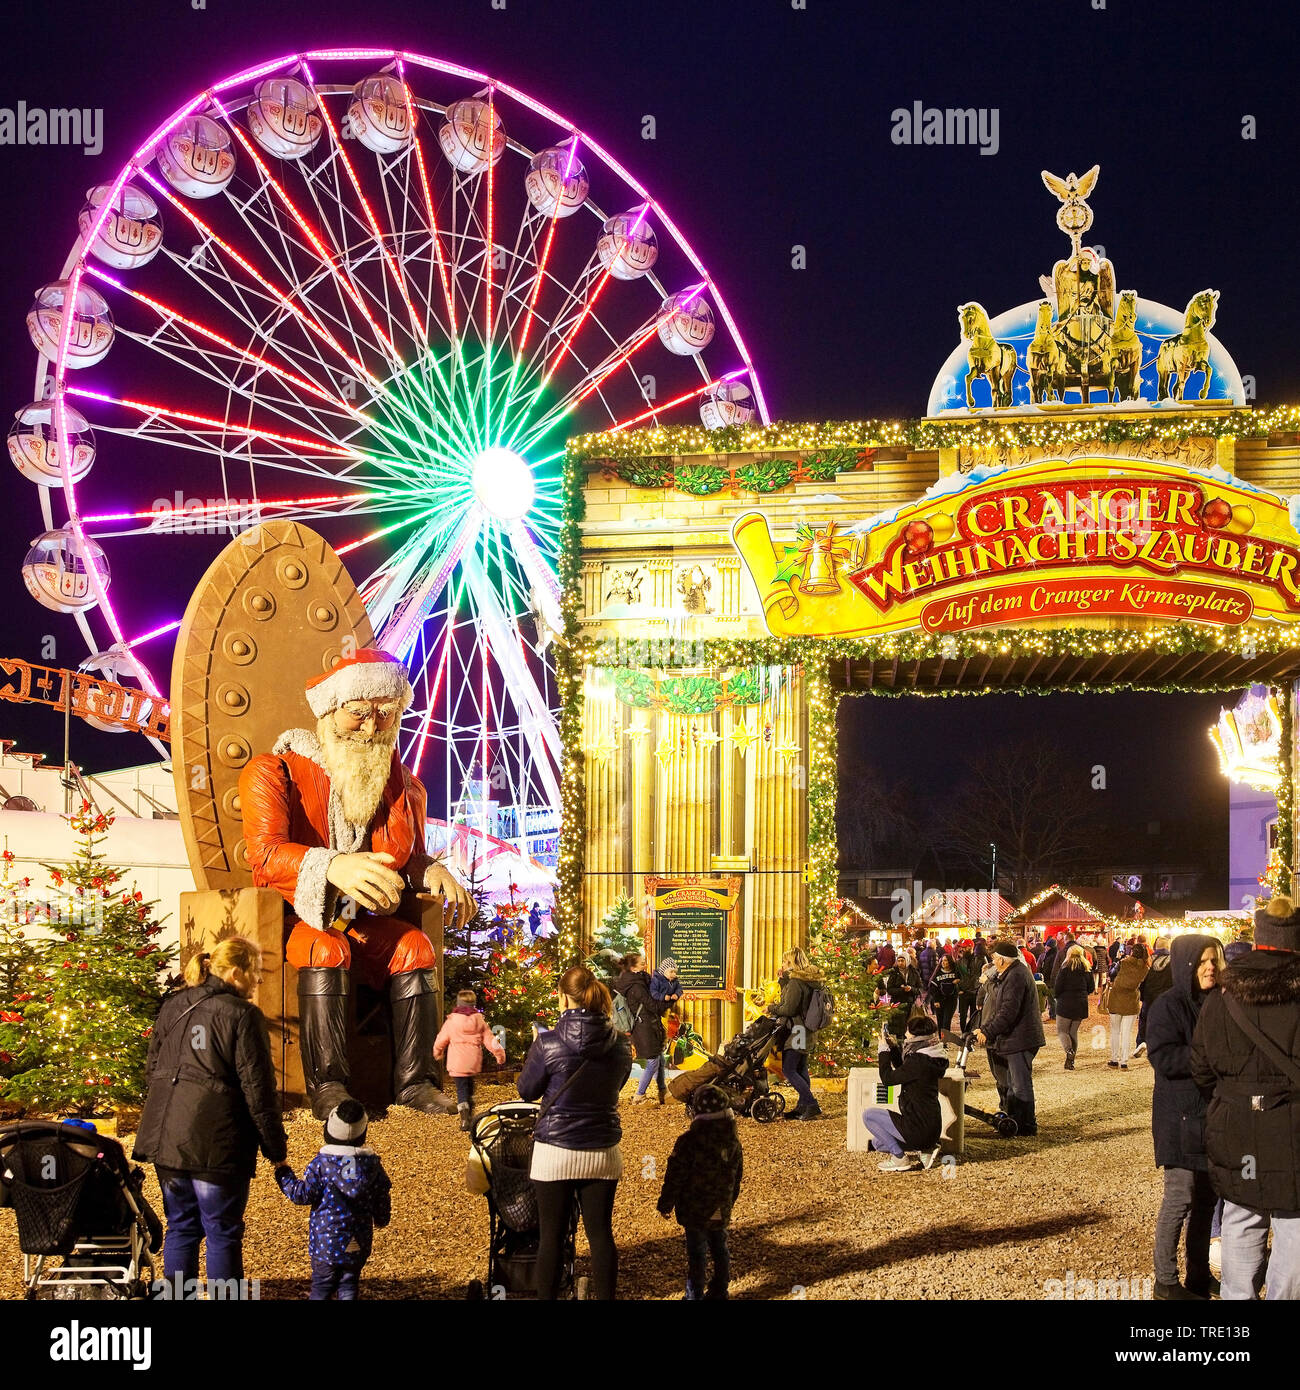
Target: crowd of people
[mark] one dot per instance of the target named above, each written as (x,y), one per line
(1221,1030)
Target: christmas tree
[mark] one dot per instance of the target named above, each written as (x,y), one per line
(519,986)
(464,956)
(87,1023)
(844,959)
(618,935)
(18,967)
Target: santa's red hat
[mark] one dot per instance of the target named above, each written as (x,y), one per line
(369,675)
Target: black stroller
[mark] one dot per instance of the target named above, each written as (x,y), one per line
(740,1070)
(76,1197)
(502,1140)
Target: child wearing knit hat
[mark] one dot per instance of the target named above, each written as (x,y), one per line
(349,1194)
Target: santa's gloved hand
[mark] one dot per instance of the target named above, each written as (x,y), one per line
(367,879)
(439,879)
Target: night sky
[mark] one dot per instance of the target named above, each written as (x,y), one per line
(773,130)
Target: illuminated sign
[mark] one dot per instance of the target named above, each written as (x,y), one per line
(1094,538)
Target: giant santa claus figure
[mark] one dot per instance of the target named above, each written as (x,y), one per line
(335,824)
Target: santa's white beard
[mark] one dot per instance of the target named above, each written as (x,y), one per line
(358,765)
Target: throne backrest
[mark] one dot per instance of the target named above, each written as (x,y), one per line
(276,607)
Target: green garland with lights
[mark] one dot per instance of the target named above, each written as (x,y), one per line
(844,439)
(1286,791)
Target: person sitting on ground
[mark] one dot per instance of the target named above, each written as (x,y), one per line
(910,1135)
(701,1184)
(1178,1118)
(1246,1059)
(348,1192)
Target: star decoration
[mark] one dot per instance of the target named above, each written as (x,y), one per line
(665,752)
(787,751)
(742,737)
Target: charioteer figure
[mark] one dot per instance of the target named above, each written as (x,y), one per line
(335,823)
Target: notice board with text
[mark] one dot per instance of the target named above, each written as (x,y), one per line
(696,921)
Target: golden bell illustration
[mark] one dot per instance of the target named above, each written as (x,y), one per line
(821,577)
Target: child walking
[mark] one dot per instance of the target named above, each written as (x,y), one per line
(349,1194)
(701,1184)
(463,1038)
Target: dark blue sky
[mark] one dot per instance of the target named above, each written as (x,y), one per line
(773,129)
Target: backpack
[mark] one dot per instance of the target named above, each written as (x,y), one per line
(820,1012)
(624,1019)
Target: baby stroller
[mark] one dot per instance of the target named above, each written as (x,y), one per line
(740,1070)
(76,1196)
(502,1148)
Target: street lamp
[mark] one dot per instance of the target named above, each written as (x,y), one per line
(993,872)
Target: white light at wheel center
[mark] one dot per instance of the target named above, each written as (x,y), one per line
(503,484)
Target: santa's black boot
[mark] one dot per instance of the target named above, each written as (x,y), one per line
(323,1037)
(415,1026)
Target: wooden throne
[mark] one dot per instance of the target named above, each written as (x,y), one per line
(276,606)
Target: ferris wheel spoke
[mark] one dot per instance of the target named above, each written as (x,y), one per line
(283,301)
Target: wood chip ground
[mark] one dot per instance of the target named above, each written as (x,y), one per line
(813,1221)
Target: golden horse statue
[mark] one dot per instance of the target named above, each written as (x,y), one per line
(1044,358)
(1126,350)
(1188,351)
(986,356)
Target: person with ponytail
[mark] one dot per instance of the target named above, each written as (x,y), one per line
(577,1070)
(212,1104)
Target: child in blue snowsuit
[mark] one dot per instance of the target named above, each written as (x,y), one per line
(349,1194)
(664,988)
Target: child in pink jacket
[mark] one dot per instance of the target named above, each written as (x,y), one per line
(463,1038)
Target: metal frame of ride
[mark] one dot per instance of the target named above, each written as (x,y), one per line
(351,292)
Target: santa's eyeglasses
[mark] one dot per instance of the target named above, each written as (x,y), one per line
(355,716)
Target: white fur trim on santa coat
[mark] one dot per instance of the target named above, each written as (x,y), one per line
(370,680)
(314,897)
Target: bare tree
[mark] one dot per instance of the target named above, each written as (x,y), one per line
(1030,801)
(876,823)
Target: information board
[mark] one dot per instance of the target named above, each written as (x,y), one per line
(696,921)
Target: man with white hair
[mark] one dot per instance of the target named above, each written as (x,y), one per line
(335,823)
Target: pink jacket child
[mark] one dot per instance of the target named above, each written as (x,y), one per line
(462,1038)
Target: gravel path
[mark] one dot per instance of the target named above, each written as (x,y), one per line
(813,1220)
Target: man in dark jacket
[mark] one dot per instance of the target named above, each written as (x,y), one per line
(1242,946)
(1012,1030)
(1178,1117)
(1246,1056)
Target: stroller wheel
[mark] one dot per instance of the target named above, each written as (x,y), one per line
(1006,1126)
(778,1098)
(765,1110)
(474,1291)
(580,1288)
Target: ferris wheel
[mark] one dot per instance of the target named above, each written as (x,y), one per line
(339,287)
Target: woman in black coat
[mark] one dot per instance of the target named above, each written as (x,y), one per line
(577,1070)
(903,985)
(649,1037)
(212,1104)
(1071,984)
(1178,1117)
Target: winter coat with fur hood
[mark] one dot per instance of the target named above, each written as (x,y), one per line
(1252,1128)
